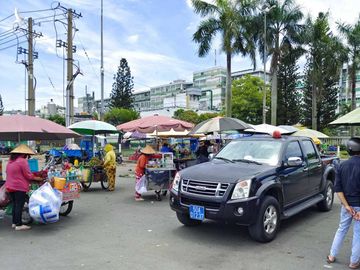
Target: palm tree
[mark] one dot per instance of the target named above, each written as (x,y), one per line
(325,55)
(283,24)
(352,35)
(232,20)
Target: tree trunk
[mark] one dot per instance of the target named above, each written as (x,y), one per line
(228,85)
(274,82)
(353,91)
(274,95)
(314,107)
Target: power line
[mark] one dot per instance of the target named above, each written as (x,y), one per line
(12,39)
(7,17)
(13,45)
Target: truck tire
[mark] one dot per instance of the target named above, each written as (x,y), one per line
(328,193)
(268,221)
(186,220)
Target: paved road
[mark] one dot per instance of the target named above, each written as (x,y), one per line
(112,231)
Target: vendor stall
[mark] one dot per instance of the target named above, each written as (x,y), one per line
(159,173)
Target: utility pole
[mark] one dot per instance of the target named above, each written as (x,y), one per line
(102,65)
(31,94)
(70,87)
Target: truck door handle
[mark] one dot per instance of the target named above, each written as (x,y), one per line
(305,169)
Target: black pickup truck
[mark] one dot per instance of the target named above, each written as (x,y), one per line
(255,181)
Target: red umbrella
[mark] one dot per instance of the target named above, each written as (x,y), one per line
(22,127)
(153,123)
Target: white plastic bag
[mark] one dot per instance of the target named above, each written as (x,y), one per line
(45,203)
(140,186)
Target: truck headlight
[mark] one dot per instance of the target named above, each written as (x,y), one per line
(241,190)
(176,182)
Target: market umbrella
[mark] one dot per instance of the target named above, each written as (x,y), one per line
(219,124)
(155,123)
(266,129)
(23,127)
(289,128)
(93,127)
(135,135)
(350,119)
(310,133)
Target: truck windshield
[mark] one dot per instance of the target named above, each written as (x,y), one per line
(261,151)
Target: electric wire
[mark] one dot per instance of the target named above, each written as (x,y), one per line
(11,15)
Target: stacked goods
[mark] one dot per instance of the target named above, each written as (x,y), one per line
(45,203)
(94,162)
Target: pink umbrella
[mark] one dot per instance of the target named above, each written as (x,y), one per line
(156,123)
(22,127)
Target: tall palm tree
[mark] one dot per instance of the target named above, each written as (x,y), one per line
(352,35)
(325,55)
(283,24)
(232,20)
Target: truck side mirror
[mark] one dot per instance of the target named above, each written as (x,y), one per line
(294,161)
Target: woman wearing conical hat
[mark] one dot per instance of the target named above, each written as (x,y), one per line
(18,177)
(143,159)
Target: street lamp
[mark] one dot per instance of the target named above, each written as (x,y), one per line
(265,10)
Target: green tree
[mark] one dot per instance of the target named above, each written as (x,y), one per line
(283,22)
(57,118)
(247,99)
(121,95)
(1,106)
(117,116)
(289,99)
(232,20)
(352,35)
(186,115)
(324,61)
(206,116)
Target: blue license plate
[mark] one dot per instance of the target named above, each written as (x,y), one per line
(197,212)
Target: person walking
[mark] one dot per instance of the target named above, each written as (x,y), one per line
(110,166)
(18,178)
(146,153)
(347,188)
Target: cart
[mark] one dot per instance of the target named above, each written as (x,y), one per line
(70,192)
(94,174)
(159,180)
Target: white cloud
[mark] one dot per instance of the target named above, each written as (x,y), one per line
(133,39)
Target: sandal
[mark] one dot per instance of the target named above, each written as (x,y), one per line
(354,265)
(330,260)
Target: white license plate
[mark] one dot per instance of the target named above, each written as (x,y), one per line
(197,212)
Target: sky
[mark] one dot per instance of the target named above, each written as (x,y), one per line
(155,36)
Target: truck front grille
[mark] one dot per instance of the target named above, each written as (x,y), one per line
(208,205)
(211,189)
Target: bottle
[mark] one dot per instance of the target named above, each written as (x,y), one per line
(76,163)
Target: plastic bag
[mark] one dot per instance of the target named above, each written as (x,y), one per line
(4,196)
(140,186)
(45,203)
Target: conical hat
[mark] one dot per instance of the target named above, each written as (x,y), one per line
(23,149)
(148,150)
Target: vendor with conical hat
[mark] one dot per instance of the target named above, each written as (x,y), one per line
(143,159)
(110,166)
(18,177)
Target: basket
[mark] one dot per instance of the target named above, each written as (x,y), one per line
(59,183)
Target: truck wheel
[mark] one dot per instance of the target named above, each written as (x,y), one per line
(186,220)
(328,193)
(268,221)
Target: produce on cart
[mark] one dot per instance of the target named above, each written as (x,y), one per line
(93,171)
